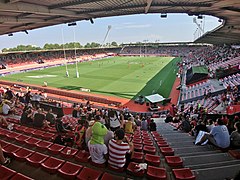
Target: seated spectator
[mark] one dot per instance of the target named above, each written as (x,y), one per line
(118,149)
(79,134)
(6,107)
(39,119)
(210,125)
(3,160)
(97,149)
(235,136)
(201,126)
(27,116)
(219,136)
(4,122)
(184,126)
(88,133)
(9,94)
(152,126)
(114,121)
(50,117)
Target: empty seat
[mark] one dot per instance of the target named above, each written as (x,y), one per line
(43,145)
(52,164)
(146,142)
(137,156)
(167,151)
(20,176)
(48,136)
(134,170)
(235,153)
(82,156)
(38,133)
(6,173)
(55,148)
(29,131)
(22,154)
(10,149)
(68,152)
(162,144)
(149,149)
(20,128)
(32,141)
(22,138)
(88,173)
(4,143)
(174,161)
(107,176)
(69,170)
(147,139)
(152,159)
(183,173)
(36,159)
(12,135)
(137,140)
(159,139)
(138,147)
(156,173)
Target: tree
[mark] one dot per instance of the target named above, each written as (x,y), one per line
(114,43)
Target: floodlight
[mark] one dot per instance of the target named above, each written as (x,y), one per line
(72,24)
(91,20)
(220,20)
(10,34)
(200,16)
(25,31)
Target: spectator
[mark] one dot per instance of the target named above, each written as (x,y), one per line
(39,119)
(114,120)
(50,117)
(219,136)
(210,125)
(144,125)
(118,149)
(27,116)
(129,125)
(235,136)
(153,126)
(97,149)
(9,94)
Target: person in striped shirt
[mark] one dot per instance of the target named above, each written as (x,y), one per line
(118,148)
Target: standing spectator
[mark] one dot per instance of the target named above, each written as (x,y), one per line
(235,136)
(118,149)
(152,126)
(50,117)
(144,125)
(9,94)
(114,120)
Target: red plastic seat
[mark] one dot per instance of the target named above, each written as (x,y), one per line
(22,154)
(162,144)
(22,138)
(55,148)
(82,156)
(148,143)
(147,139)
(137,140)
(137,156)
(48,136)
(12,135)
(134,170)
(32,141)
(6,173)
(138,147)
(158,139)
(20,128)
(68,152)
(107,176)
(10,149)
(157,136)
(69,170)
(38,133)
(152,159)
(20,176)
(36,159)
(12,120)
(43,145)
(149,149)
(52,164)
(4,132)
(184,173)
(3,143)
(156,173)
(174,161)
(88,173)
(234,153)
(29,131)
(167,151)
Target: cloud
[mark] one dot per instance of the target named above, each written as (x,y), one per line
(134,26)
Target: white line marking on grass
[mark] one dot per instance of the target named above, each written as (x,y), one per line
(42,76)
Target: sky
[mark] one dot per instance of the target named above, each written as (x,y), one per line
(124,29)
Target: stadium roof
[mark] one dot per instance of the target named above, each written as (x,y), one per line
(200,69)
(22,15)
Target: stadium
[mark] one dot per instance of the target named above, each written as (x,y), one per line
(143,110)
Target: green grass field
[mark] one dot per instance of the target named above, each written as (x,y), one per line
(118,76)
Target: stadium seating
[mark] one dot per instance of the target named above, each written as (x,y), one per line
(6,173)
(149,149)
(134,170)
(167,151)
(52,164)
(68,152)
(184,173)
(43,145)
(174,161)
(10,149)
(55,148)
(20,176)
(138,147)
(82,156)
(36,159)
(156,173)
(22,138)
(88,173)
(22,154)
(137,156)
(152,159)
(69,170)
(32,141)
(107,176)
